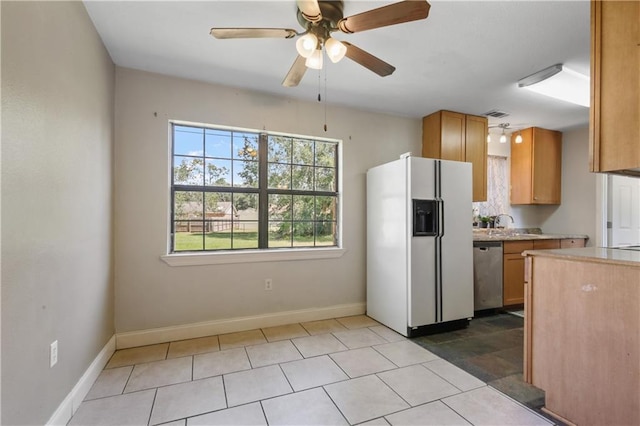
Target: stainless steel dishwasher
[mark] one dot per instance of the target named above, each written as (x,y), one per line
(487,275)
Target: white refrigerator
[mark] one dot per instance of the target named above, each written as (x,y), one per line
(420,245)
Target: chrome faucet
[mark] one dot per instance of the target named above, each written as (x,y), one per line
(497,219)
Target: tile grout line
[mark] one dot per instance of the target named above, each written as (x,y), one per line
(155,395)
(460,414)
(334,403)
(224,390)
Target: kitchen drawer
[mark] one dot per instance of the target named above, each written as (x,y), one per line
(516,247)
(546,244)
(572,242)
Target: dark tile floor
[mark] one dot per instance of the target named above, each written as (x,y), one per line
(491,349)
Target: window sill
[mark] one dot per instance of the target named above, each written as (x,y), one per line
(250,256)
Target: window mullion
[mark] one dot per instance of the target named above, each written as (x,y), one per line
(204,198)
(263,197)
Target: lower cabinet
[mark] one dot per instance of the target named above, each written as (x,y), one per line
(512,279)
(513,264)
(513,271)
(582,337)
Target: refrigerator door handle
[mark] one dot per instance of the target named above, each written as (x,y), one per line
(441,214)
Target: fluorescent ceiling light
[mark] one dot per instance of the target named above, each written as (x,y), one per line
(559,82)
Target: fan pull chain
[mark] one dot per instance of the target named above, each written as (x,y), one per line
(319,98)
(325,98)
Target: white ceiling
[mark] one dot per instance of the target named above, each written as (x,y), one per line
(466,56)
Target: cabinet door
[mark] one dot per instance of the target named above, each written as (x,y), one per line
(615,86)
(572,243)
(453,133)
(476,154)
(521,157)
(536,167)
(546,166)
(546,244)
(513,279)
(455,136)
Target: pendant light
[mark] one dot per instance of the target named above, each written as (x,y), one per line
(518,138)
(503,137)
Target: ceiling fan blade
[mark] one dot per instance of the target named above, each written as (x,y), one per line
(368,61)
(296,72)
(223,33)
(310,10)
(396,13)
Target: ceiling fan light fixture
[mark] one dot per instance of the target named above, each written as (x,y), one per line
(335,49)
(306,45)
(315,60)
(488,137)
(503,138)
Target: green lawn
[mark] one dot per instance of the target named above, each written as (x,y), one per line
(190,241)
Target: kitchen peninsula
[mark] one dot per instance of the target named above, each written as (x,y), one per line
(582,328)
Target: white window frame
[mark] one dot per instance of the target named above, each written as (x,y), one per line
(251,255)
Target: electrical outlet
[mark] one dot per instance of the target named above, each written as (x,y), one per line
(268,284)
(53,354)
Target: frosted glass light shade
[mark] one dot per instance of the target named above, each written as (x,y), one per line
(306,45)
(315,60)
(503,138)
(518,138)
(335,49)
(559,82)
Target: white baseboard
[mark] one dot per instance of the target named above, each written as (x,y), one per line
(210,328)
(72,401)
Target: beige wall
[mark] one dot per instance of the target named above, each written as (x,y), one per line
(57,120)
(149,293)
(577,213)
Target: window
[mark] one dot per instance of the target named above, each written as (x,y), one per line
(237,189)
(497,188)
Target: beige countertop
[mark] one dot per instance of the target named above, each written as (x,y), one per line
(492,234)
(592,254)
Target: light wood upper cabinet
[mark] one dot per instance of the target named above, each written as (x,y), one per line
(477,129)
(455,136)
(615,87)
(536,167)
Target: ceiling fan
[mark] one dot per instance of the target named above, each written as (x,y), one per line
(321,18)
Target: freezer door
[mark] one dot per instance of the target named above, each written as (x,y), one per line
(422,249)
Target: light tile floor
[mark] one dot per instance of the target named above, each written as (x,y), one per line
(341,371)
